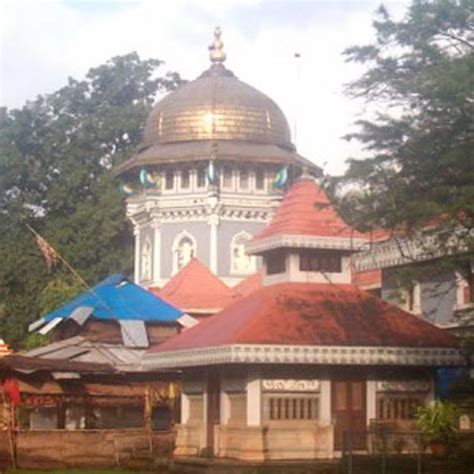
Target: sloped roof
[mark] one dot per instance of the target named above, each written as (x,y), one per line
(80,349)
(196,289)
(311,314)
(249,285)
(306,210)
(21,363)
(117,298)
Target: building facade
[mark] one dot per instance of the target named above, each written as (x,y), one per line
(288,371)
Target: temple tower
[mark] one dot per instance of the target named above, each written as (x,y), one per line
(215,155)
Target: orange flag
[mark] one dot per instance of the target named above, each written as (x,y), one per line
(49,254)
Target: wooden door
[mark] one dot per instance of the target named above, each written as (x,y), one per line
(349,403)
(213,411)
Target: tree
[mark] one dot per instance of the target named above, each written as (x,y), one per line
(419,167)
(56,154)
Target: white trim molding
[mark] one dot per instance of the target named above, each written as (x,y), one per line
(305,241)
(304,354)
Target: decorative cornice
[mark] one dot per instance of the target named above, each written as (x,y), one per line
(290,385)
(401,251)
(305,241)
(295,354)
(403,386)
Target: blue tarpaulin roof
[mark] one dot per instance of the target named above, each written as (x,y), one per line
(118,298)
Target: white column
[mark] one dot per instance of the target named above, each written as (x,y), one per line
(254,400)
(136,233)
(184,408)
(213,223)
(371,400)
(325,402)
(156,253)
(225,408)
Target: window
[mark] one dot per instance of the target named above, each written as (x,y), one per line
(185,179)
(260,178)
(184,250)
(398,406)
(411,298)
(241,262)
(469,289)
(291,407)
(320,261)
(244,179)
(169,179)
(465,287)
(201,178)
(227,177)
(276,262)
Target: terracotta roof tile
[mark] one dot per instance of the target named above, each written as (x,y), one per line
(306,210)
(368,279)
(311,314)
(249,285)
(196,289)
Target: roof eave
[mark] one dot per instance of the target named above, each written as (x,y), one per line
(304,354)
(257,246)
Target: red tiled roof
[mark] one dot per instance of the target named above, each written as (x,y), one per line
(306,210)
(249,285)
(368,279)
(311,314)
(196,288)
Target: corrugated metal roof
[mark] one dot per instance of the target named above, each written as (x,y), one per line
(134,333)
(117,298)
(80,349)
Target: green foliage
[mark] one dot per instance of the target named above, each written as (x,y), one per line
(34,340)
(419,162)
(55,159)
(56,293)
(438,422)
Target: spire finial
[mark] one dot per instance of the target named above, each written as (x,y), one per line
(217,54)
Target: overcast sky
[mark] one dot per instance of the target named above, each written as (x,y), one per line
(45,41)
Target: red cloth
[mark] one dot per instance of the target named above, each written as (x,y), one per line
(12,390)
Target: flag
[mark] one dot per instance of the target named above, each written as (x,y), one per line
(12,390)
(49,254)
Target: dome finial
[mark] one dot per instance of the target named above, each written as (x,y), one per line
(217,54)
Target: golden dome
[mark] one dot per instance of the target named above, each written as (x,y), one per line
(215,116)
(217,106)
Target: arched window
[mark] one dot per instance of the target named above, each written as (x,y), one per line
(241,262)
(146,260)
(184,250)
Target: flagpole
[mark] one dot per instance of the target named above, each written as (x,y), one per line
(74,272)
(59,256)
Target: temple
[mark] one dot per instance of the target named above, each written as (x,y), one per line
(284,372)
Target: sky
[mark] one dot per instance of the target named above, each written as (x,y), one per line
(43,42)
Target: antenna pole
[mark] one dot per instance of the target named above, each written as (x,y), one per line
(297,57)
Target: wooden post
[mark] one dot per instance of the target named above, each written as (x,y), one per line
(11,432)
(147,415)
